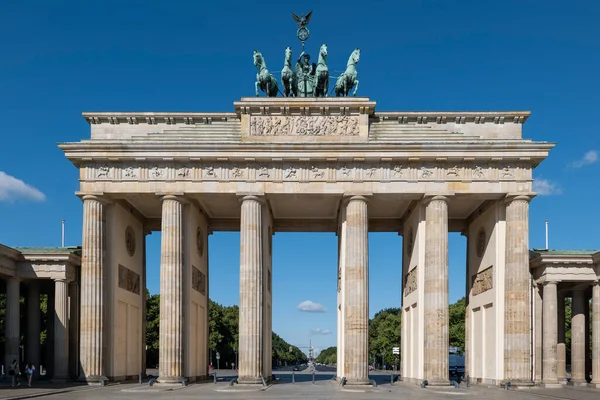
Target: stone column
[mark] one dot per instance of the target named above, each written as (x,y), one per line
(467,350)
(251,286)
(144,304)
(550,321)
(517,313)
(61,330)
(12,322)
(561,349)
(74,329)
(538,332)
(92,285)
(171,291)
(578,338)
(596,334)
(436,291)
(33,325)
(356,292)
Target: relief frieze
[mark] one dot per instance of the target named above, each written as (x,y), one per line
(302,171)
(129,280)
(483,281)
(304,125)
(410,282)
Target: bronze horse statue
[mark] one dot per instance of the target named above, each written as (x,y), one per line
(264,79)
(289,79)
(322,74)
(349,78)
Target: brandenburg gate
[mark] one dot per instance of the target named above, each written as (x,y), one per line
(314,165)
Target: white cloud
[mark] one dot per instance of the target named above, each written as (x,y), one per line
(320,331)
(589,158)
(310,306)
(544,187)
(12,189)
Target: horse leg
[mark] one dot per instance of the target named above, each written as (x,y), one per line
(256,85)
(326,87)
(355,88)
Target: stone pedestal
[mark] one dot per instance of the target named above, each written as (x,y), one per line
(171,352)
(356,292)
(578,338)
(12,323)
(251,286)
(550,321)
(32,348)
(92,293)
(517,312)
(436,291)
(61,330)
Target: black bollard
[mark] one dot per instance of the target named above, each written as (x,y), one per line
(313,377)
(215,377)
(293,377)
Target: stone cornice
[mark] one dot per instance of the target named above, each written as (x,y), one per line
(562,260)
(153,118)
(496,150)
(458,117)
(289,108)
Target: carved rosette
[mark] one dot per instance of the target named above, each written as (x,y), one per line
(483,281)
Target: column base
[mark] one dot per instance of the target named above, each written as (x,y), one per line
(552,385)
(518,384)
(358,382)
(250,380)
(169,380)
(92,379)
(439,383)
(594,384)
(577,383)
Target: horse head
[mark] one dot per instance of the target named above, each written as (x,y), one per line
(258,59)
(323,50)
(288,53)
(354,57)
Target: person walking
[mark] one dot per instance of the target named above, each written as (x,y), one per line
(29,370)
(14,372)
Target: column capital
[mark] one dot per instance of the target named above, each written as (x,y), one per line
(259,197)
(173,196)
(62,280)
(348,197)
(429,197)
(510,197)
(551,282)
(99,197)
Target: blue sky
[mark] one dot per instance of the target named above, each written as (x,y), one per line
(61,58)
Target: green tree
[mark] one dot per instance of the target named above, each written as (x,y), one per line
(328,356)
(384,335)
(152,328)
(456,325)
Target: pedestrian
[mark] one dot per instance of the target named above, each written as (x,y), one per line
(29,370)
(14,372)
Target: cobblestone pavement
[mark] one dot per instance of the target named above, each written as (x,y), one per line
(285,389)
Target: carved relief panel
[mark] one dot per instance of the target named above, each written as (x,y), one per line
(304,125)
(410,282)
(483,281)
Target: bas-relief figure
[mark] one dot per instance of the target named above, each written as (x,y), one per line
(303,125)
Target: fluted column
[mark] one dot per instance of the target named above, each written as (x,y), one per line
(33,324)
(356,293)
(550,334)
(596,333)
(538,330)
(171,352)
(12,324)
(578,338)
(251,287)
(61,330)
(517,312)
(561,349)
(92,284)
(74,329)
(436,291)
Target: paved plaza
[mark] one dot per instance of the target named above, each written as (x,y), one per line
(323,388)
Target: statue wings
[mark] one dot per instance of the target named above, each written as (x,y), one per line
(302,21)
